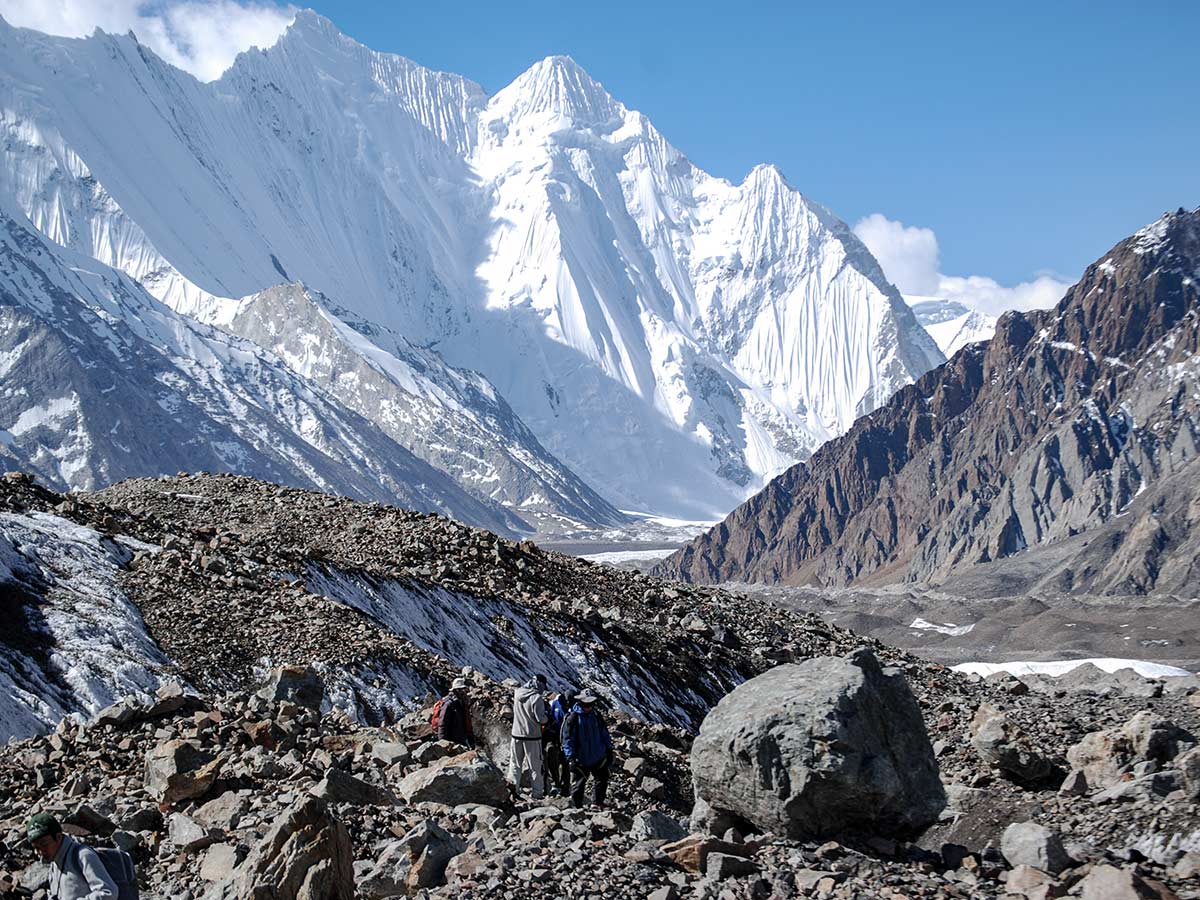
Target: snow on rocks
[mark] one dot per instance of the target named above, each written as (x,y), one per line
(81,643)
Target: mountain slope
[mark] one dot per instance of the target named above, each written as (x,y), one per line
(1072,425)
(453,419)
(102,382)
(672,338)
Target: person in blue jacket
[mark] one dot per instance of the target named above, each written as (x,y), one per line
(556,761)
(588,748)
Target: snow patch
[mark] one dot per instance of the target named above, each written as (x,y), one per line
(1109,664)
(945,628)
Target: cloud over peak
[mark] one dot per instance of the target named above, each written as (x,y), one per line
(200,36)
(910,259)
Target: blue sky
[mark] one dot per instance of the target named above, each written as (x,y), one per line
(1027,136)
(1011,140)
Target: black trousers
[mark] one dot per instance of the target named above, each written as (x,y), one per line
(599,775)
(558,769)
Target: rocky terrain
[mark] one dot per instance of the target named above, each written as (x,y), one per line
(1059,456)
(274,724)
(953,628)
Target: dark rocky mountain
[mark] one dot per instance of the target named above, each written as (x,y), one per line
(1059,455)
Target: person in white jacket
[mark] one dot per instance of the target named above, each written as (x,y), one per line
(529,715)
(76,872)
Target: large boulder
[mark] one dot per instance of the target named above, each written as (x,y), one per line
(1105,757)
(339,786)
(467,778)
(179,770)
(305,856)
(1003,746)
(826,746)
(301,685)
(1031,844)
(418,860)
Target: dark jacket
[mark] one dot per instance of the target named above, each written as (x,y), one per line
(585,738)
(455,723)
(558,714)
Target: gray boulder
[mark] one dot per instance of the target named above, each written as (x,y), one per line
(1030,844)
(418,860)
(301,685)
(1003,746)
(339,786)
(1105,757)
(653,825)
(826,746)
(467,778)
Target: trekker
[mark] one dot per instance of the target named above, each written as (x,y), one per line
(529,715)
(556,760)
(589,749)
(76,870)
(454,718)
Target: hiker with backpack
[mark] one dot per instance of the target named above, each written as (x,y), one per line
(556,761)
(451,719)
(77,871)
(589,749)
(529,715)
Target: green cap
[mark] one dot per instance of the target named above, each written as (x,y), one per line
(41,825)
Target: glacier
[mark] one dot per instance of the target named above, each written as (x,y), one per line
(668,338)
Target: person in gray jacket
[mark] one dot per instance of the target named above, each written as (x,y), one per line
(76,871)
(529,715)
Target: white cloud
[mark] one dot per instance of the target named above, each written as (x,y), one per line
(198,36)
(910,259)
(908,255)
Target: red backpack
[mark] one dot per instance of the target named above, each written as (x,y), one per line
(435,719)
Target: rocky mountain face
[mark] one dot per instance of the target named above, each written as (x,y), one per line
(101,382)
(1061,454)
(231,680)
(671,338)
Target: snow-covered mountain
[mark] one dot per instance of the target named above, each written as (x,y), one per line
(950,323)
(452,418)
(672,338)
(102,382)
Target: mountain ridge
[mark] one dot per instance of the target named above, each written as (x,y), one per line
(1054,428)
(646,321)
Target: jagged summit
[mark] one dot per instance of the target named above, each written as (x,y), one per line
(558,90)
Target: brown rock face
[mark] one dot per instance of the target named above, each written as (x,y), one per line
(1067,419)
(305,856)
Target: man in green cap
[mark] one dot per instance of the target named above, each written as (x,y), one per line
(76,871)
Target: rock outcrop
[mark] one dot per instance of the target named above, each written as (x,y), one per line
(824,747)
(1074,427)
(305,856)
(1106,757)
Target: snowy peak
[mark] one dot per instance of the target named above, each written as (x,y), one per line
(671,339)
(555,92)
(951,324)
